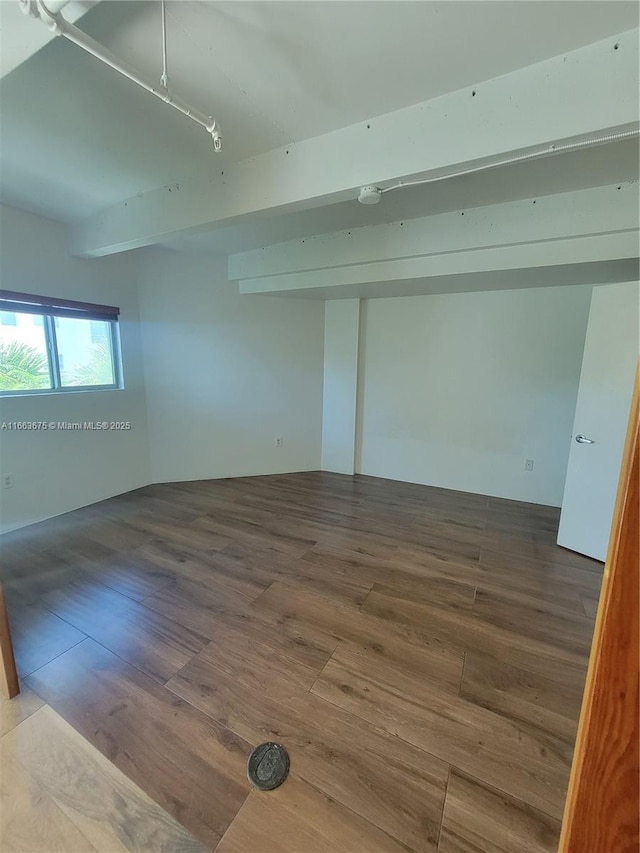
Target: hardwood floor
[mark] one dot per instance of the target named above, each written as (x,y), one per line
(421,653)
(61,795)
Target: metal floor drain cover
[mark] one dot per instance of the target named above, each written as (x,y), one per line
(268,766)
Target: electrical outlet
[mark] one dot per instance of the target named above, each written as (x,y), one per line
(528,464)
(7,481)
(278,441)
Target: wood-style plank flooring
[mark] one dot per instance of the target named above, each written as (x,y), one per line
(421,653)
(61,795)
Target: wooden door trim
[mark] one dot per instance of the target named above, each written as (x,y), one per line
(9,679)
(602,807)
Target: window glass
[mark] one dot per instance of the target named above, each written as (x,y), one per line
(24,364)
(66,346)
(84,349)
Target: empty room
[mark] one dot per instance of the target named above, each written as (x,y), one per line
(319,338)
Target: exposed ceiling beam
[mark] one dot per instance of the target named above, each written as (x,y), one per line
(333,283)
(564,215)
(585,227)
(21,35)
(511,278)
(586,92)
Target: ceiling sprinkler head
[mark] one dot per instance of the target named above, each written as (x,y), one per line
(370,195)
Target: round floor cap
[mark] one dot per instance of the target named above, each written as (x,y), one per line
(268,766)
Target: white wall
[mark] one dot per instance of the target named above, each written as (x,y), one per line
(459,389)
(341,322)
(225,374)
(455,390)
(54,472)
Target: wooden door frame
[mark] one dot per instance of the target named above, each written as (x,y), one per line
(9,676)
(602,807)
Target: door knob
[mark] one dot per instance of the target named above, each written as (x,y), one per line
(582,439)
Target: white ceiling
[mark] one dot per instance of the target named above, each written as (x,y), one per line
(76,137)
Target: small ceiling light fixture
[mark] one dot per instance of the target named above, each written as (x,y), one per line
(370,195)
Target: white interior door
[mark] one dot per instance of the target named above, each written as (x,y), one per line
(602,411)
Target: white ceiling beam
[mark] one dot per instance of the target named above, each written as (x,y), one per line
(588,91)
(511,278)
(583,227)
(22,35)
(545,253)
(593,211)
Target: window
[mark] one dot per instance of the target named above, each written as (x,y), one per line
(56,345)
(99,331)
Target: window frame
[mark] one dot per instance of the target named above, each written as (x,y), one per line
(49,308)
